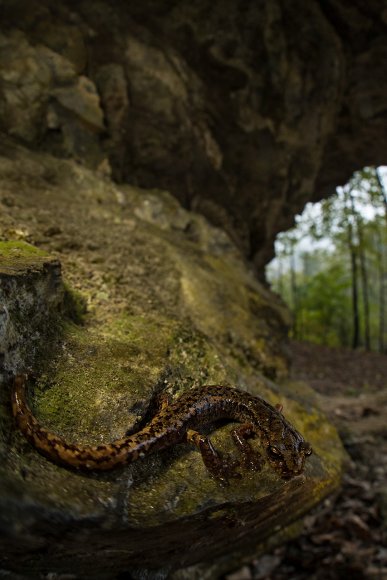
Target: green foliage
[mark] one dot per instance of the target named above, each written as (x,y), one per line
(337,287)
(324,307)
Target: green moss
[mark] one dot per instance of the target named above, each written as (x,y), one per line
(100,376)
(9,250)
(19,257)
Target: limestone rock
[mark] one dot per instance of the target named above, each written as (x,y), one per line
(243,110)
(82,100)
(170,305)
(43,97)
(26,77)
(30,290)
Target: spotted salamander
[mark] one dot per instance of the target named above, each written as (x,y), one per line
(177,422)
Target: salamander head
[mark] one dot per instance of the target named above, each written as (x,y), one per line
(287,450)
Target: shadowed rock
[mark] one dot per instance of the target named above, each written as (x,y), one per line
(243,110)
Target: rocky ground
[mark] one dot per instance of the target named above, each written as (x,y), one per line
(346,537)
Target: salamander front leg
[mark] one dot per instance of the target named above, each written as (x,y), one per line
(158,403)
(222,468)
(251,459)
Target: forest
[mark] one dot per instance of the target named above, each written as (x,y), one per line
(331,267)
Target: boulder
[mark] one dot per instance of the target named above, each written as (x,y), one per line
(152,299)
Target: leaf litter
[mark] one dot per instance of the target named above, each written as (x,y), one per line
(346,536)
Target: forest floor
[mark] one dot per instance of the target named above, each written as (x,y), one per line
(346,536)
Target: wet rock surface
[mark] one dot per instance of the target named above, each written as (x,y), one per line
(169,305)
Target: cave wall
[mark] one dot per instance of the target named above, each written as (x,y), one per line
(243,110)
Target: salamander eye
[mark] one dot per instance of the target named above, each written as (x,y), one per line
(306,448)
(274,453)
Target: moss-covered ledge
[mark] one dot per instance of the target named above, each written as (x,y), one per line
(171,305)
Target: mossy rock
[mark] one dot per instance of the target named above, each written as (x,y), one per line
(163,302)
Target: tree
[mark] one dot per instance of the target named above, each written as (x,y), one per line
(338,293)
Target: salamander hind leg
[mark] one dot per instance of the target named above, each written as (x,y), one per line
(220,467)
(251,459)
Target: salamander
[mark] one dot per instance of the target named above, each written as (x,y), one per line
(177,422)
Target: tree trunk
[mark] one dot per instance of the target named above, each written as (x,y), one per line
(294,291)
(382,193)
(364,280)
(354,280)
(280,277)
(382,268)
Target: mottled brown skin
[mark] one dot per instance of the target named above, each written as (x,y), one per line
(175,423)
